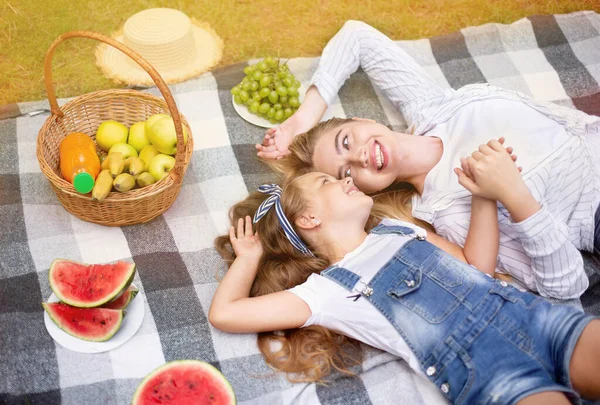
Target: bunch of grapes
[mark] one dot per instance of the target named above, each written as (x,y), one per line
(269,90)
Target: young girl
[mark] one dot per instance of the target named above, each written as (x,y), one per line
(559,151)
(313,271)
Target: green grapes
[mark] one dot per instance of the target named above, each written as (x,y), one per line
(269,90)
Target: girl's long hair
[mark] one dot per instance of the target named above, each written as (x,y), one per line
(305,354)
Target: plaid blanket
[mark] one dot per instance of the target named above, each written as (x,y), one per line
(554,58)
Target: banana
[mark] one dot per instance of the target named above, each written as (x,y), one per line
(144,179)
(126,164)
(104,163)
(103,185)
(136,166)
(116,163)
(124,182)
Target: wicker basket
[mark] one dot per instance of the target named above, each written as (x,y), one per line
(85,114)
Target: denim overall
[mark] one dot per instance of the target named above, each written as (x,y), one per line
(478,339)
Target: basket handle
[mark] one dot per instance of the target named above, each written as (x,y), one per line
(177,171)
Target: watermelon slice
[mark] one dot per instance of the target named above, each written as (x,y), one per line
(184,382)
(87,286)
(94,324)
(124,299)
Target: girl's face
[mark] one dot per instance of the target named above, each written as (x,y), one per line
(332,201)
(363,150)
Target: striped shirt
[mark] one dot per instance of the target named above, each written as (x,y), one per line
(541,252)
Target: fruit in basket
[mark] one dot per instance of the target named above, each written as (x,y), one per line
(268,88)
(124,182)
(137,136)
(160,166)
(136,166)
(126,149)
(152,119)
(145,179)
(103,186)
(93,324)
(147,154)
(123,300)
(110,133)
(163,136)
(184,382)
(115,163)
(89,285)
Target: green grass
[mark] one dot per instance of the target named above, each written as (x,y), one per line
(249,28)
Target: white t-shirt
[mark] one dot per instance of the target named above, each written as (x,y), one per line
(541,253)
(534,138)
(335,308)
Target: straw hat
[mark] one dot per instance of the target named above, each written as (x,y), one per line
(176,46)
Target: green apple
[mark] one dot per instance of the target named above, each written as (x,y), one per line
(160,166)
(137,136)
(110,133)
(147,154)
(126,149)
(163,136)
(152,119)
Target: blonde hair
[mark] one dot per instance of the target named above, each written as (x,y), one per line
(305,354)
(302,148)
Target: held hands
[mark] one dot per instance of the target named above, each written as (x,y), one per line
(276,141)
(491,172)
(246,243)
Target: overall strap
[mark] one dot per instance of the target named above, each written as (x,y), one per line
(382,229)
(342,276)
(347,278)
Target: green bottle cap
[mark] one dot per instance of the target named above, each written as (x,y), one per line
(83,182)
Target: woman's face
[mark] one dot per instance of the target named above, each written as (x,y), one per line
(334,201)
(363,150)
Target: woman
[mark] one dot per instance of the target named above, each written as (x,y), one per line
(543,225)
(316,273)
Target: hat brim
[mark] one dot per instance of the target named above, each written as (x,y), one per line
(121,68)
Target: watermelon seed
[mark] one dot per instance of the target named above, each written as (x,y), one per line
(191,385)
(211,396)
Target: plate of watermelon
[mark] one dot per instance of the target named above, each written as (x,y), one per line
(93,308)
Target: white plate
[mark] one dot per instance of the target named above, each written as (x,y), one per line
(243,111)
(131,323)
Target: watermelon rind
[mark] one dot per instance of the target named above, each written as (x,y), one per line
(103,338)
(131,292)
(137,397)
(82,304)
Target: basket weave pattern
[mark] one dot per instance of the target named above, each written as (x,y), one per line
(85,114)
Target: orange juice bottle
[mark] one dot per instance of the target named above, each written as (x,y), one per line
(79,163)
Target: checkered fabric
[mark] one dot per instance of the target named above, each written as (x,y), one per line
(554,58)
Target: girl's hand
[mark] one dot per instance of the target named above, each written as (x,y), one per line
(276,141)
(490,172)
(245,243)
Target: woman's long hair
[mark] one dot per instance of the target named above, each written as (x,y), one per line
(302,148)
(305,354)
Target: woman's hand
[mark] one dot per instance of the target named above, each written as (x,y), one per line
(491,172)
(245,243)
(276,141)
